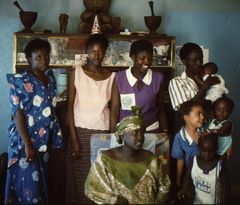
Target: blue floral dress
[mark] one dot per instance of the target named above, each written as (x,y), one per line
(27,182)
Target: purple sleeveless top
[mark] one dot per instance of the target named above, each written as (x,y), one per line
(146,98)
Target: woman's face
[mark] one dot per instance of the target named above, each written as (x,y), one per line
(96,53)
(195,118)
(134,139)
(142,61)
(193,62)
(39,60)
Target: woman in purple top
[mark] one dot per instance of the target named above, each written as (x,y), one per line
(139,85)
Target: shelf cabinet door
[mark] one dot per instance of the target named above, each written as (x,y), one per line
(70,50)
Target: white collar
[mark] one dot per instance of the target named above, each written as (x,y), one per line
(185,136)
(132,80)
(184,75)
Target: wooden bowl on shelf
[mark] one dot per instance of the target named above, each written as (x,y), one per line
(28,18)
(152,23)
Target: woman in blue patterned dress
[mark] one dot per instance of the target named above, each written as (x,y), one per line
(33,128)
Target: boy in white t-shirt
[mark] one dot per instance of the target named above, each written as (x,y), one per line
(205,181)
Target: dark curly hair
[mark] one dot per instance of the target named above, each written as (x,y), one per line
(212,66)
(139,46)
(187,48)
(97,39)
(187,107)
(36,44)
(227,100)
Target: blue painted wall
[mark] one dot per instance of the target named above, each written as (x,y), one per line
(213,24)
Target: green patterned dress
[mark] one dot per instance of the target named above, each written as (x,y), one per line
(116,182)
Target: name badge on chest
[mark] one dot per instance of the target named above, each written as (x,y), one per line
(127,100)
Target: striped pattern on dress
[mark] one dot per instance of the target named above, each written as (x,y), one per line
(181,89)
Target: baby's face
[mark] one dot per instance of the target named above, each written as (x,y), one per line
(208,70)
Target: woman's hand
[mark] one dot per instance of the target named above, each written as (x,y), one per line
(76,149)
(210,81)
(30,153)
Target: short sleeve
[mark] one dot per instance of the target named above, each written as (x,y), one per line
(173,90)
(52,78)
(15,93)
(177,151)
(20,92)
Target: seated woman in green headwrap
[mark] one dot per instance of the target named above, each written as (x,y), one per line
(128,174)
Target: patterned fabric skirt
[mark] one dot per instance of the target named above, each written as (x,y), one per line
(27,182)
(77,169)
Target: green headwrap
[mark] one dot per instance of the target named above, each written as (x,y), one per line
(130,123)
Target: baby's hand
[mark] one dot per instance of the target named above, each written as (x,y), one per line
(205,132)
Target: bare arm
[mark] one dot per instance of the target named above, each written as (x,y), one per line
(71,97)
(211,80)
(20,121)
(187,192)
(162,113)
(180,169)
(188,178)
(115,107)
(224,130)
(223,183)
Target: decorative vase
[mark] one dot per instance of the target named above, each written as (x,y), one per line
(152,23)
(27,18)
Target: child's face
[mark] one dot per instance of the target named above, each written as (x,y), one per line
(96,53)
(222,111)
(39,60)
(195,118)
(207,150)
(143,60)
(209,69)
(134,139)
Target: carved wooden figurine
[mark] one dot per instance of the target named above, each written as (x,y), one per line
(63,20)
(93,8)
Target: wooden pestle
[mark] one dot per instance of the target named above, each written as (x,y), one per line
(151,7)
(18,6)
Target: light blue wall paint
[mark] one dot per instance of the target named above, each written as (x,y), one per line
(213,24)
